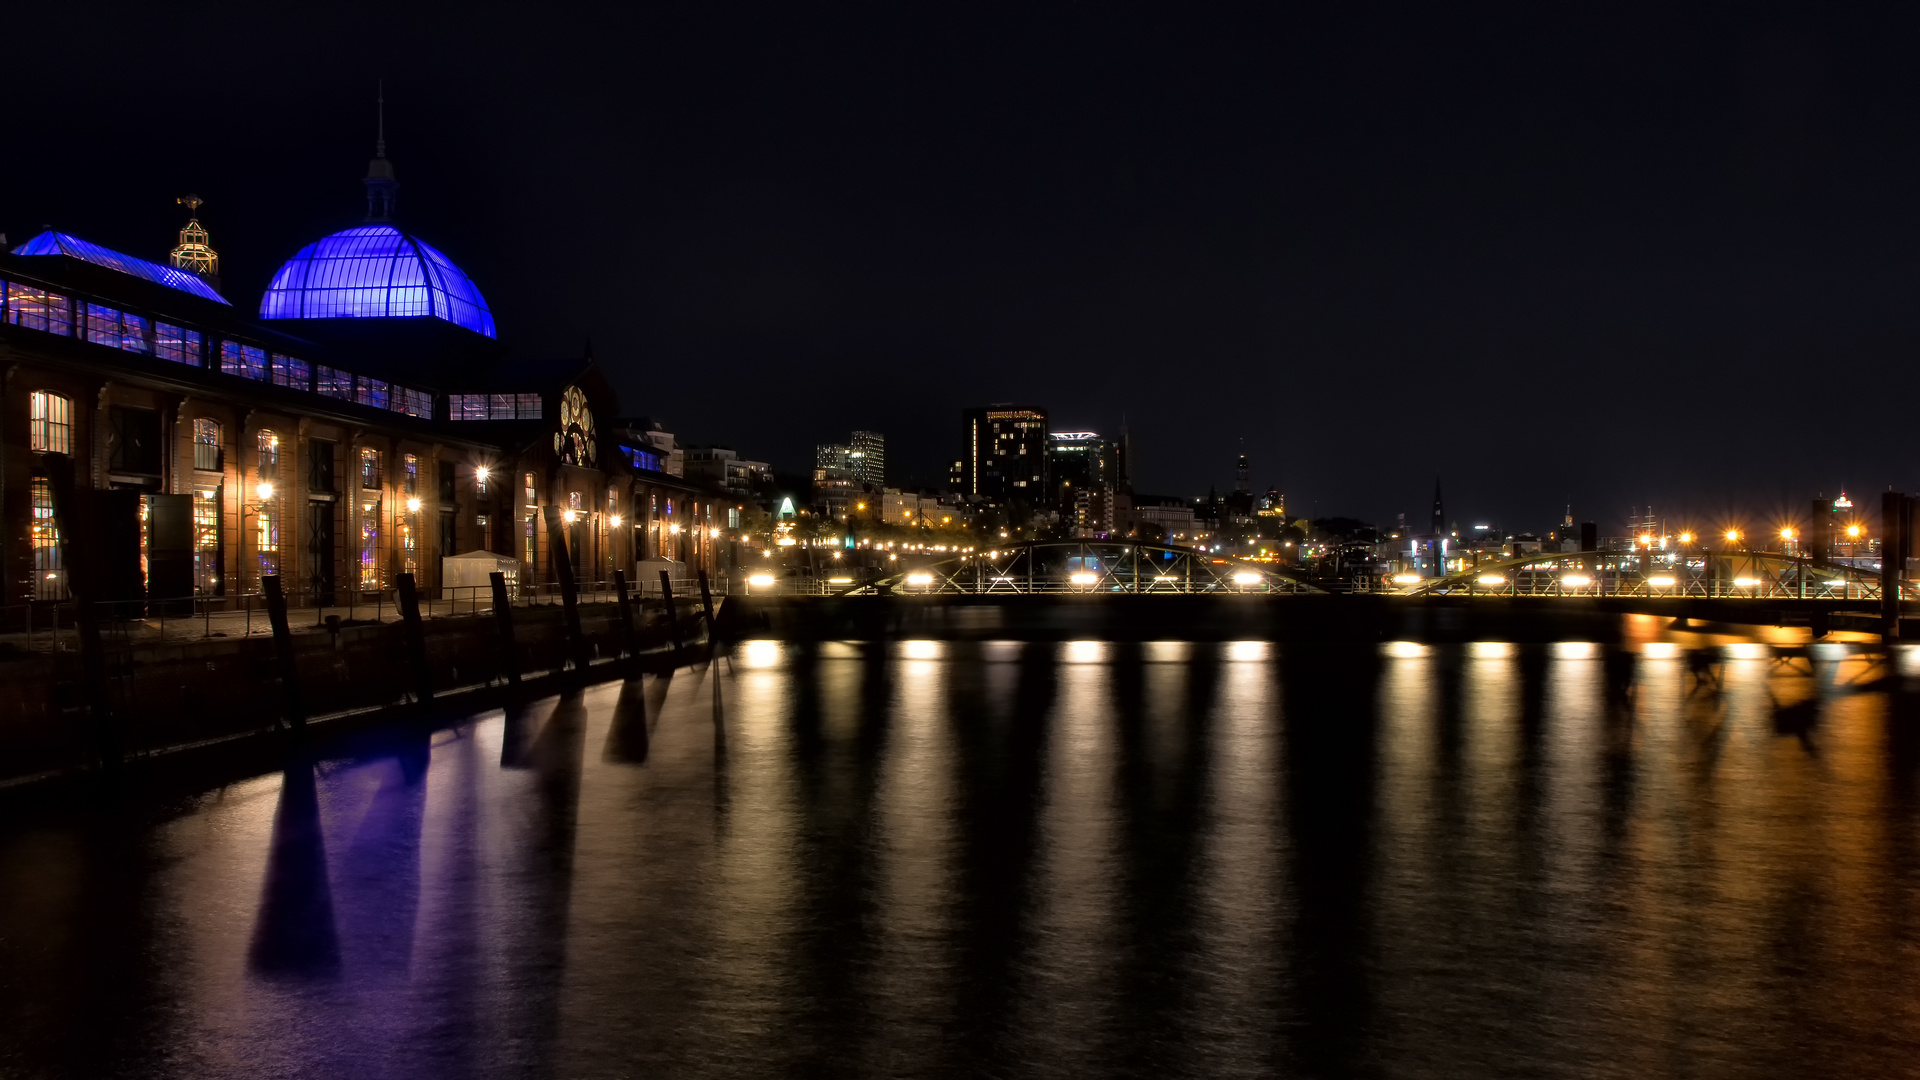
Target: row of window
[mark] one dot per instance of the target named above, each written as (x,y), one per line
(35,308)
(493,406)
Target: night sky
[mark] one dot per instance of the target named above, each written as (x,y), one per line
(1578,256)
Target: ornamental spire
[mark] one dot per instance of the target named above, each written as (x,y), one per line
(382,188)
(195,253)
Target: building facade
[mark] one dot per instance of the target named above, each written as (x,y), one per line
(1005,453)
(364,424)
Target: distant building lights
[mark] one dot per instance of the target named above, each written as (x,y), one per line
(1246,579)
(761,581)
(1733,536)
(1406,579)
(1853,530)
(920,580)
(1745,582)
(1083,578)
(1787,533)
(1686,538)
(1576,581)
(1661,581)
(1491,579)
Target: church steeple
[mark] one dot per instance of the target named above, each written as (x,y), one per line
(382,189)
(1439,510)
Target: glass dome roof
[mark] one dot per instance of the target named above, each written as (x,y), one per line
(375,272)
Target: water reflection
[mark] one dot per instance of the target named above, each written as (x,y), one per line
(1084,858)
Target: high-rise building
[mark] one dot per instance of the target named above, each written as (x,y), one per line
(1005,450)
(867,454)
(1087,473)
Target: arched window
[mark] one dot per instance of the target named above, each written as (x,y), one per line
(51,423)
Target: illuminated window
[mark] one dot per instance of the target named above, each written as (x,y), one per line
(291,371)
(267,536)
(371,392)
(174,343)
(206,542)
(369,468)
(49,575)
(246,361)
(334,383)
(480,480)
(206,444)
(530,547)
(370,578)
(50,423)
(481,520)
(268,458)
(533,493)
(573,500)
(37,309)
(410,474)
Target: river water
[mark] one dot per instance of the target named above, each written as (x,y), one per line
(999,859)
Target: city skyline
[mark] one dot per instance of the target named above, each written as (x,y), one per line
(1517,290)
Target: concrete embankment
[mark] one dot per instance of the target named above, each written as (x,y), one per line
(169,696)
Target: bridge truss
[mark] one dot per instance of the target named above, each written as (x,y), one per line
(1088,566)
(1760,575)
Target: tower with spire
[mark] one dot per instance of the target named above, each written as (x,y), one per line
(195,253)
(382,189)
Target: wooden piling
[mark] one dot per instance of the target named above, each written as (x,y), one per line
(292,703)
(416,640)
(569,592)
(503,621)
(673,616)
(626,615)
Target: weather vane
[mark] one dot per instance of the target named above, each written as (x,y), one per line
(191,202)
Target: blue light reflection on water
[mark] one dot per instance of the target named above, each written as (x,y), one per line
(919,858)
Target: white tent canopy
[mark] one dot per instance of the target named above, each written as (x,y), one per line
(464,577)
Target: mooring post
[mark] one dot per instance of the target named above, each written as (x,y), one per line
(416,640)
(569,593)
(706,605)
(1893,520)
(673,617)
(283,652)
(83,574)
(626,614)
(503,621)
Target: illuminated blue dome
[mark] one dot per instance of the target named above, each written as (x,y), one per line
(375,271)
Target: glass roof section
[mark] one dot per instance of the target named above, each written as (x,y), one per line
(375,272)
(59,243)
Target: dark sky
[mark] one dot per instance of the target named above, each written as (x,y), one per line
(1577,255)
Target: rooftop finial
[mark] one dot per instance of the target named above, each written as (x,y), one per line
(195,252)
(382,188)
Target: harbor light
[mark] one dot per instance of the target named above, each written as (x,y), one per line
(1745,582)
(1787,533)
(1576,581)
(1083,578)
(921,580)
(1491,579)
(614,521)
(413,504)
(1733,536)
(1661,581)
(1686,538)
(265,491)
(839,581)
(761,581)
(1246,578)
(1853,531)
(1406,579)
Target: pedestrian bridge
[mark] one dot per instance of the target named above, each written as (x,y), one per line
(1088,566)
(1732,575)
